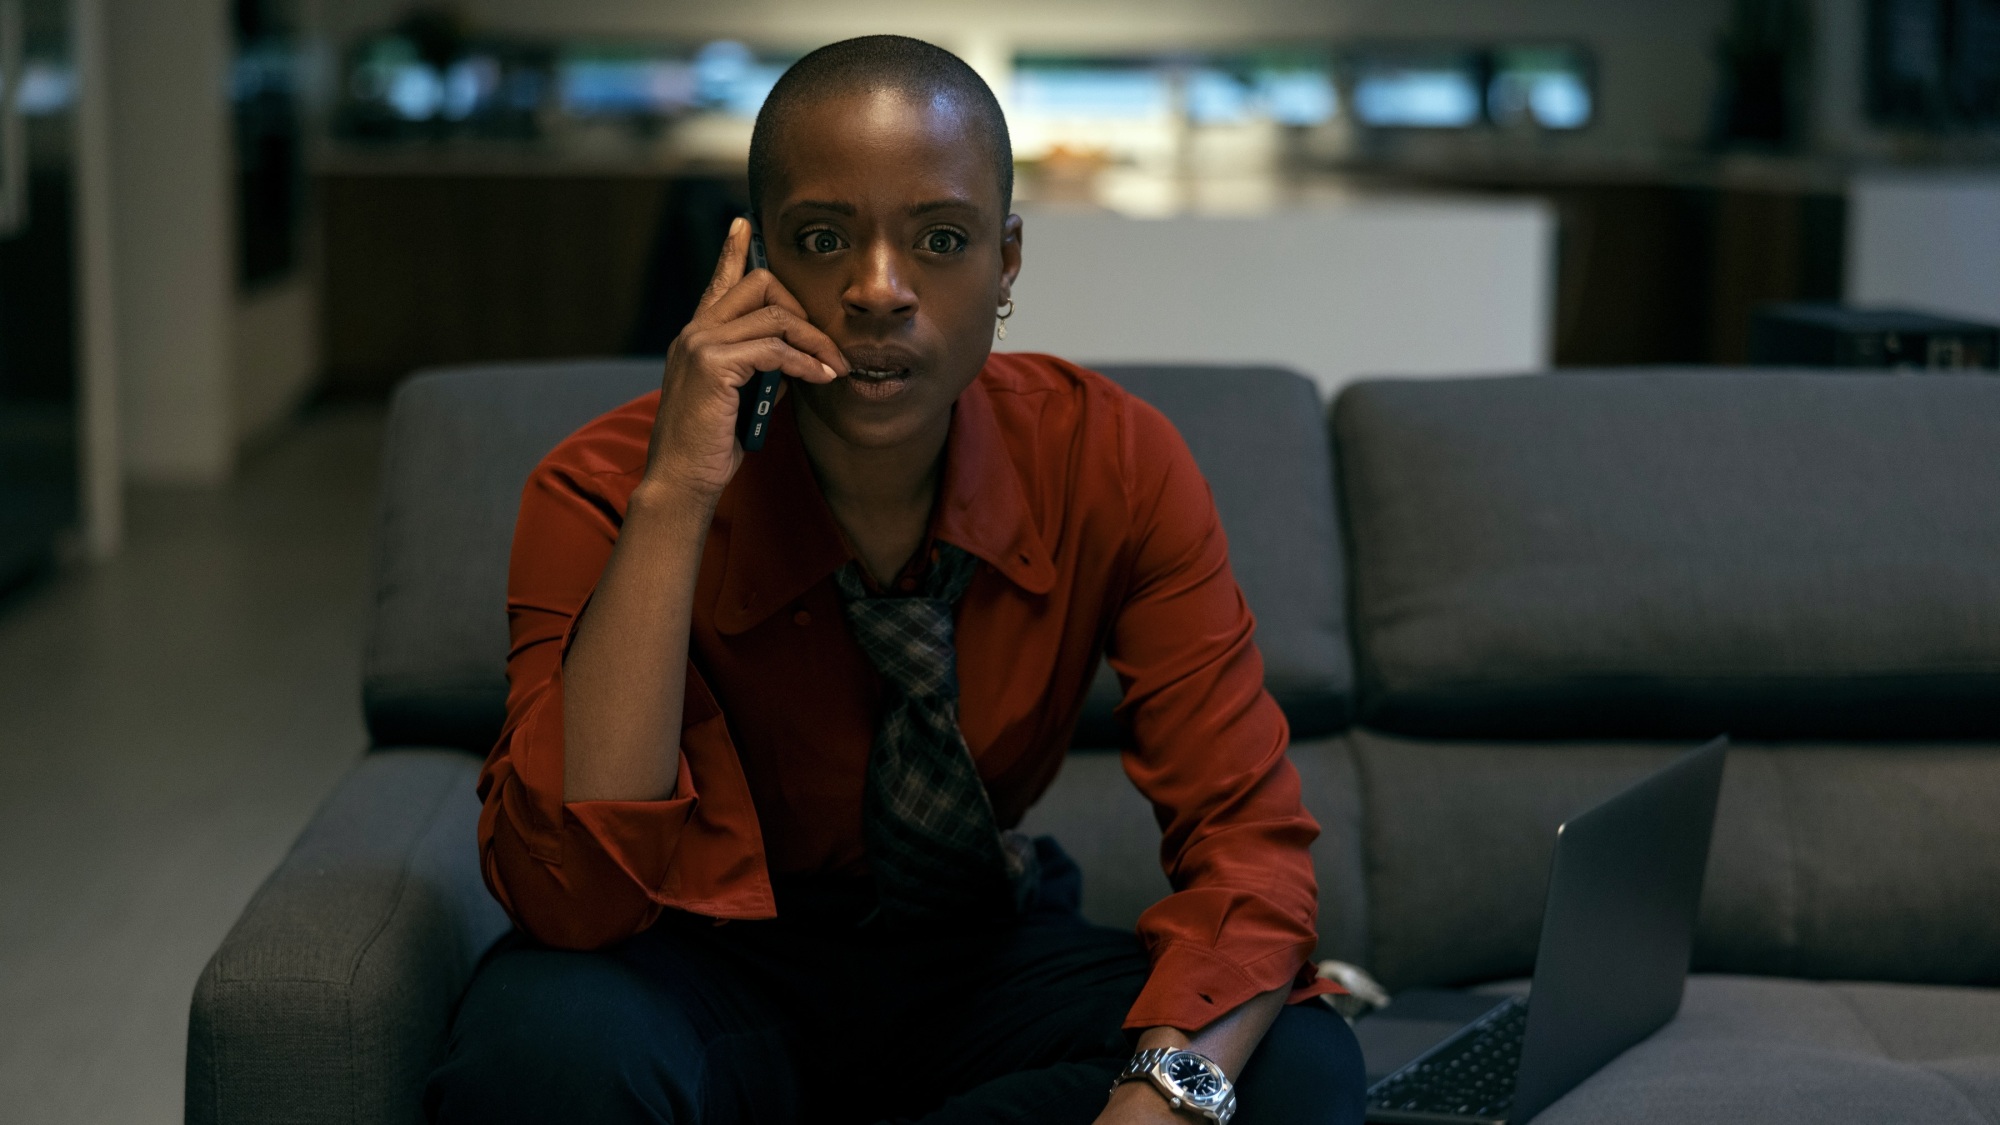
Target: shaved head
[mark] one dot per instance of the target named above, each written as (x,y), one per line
(911,68)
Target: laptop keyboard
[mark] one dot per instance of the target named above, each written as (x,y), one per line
(1470,1076)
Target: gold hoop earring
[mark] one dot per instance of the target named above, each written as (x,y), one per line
(1000,332)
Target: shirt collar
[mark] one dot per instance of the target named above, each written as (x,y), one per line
(783,538)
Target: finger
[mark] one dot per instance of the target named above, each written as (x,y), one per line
(828,352)
(728,267)
(748,293)
(769,353)
(776,320)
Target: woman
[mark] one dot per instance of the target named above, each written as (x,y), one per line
(773,716)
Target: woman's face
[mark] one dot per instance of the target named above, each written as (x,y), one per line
(885,221)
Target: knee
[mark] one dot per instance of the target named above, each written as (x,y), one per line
(546,1036)
(1307,1071)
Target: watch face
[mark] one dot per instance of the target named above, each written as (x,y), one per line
(1194,1075)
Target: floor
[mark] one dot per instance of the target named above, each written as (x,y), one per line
(168,722)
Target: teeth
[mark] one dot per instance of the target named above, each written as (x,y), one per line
(874,373)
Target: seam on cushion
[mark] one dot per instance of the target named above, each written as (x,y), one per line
(1794,878)
(1559,676)
(347,1064)
(1861,1018)
(1963,1095)
(1360,840)
(1363,783)
(367,944)
(214,1067)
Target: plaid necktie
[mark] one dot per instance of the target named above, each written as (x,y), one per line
(933,846)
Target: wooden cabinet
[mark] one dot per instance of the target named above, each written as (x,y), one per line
(434,269)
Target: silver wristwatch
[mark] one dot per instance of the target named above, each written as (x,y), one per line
(1187,1079)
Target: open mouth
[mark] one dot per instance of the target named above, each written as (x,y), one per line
(878,383)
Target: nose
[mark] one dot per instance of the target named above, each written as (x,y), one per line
(879,286)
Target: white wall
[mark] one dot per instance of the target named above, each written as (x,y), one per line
(1366,288)
(1928,241)
(172,237)
(101,461)
(200,368)
(1656,56)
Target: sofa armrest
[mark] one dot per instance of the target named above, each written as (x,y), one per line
(331,997)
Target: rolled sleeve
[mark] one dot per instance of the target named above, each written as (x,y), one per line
(1208,750)
(582,875)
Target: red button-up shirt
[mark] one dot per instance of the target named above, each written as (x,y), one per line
(1100,537)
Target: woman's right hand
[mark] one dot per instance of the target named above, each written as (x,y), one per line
(745,323)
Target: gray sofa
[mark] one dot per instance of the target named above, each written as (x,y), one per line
(1483,602)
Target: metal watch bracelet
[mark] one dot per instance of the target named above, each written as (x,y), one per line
(1157,1065)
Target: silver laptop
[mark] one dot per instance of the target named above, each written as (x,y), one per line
(1616,932)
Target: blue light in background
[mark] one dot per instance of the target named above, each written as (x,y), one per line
(46,88)
(1560,101)
(596,87)
(1215,98)
(1298,97)
(1088,92)
(1544,86)
(729,77)
(469,84)
(1428,98)
(415,92)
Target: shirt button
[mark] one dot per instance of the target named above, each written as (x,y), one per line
(802,618)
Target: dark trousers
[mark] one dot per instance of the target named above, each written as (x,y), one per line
(808,1018)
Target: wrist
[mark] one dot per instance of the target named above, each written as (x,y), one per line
(667,496)
(1163,1037)
(1187,1082)
(1143,1101)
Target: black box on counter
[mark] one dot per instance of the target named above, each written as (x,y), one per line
(1833,335)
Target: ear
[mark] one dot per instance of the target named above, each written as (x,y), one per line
(1010,256)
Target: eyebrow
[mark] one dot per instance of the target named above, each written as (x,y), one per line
(943,205)
(848,209)
(821,205)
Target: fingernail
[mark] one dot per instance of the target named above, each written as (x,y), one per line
(830,372)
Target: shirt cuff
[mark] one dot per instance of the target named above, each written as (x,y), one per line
(1192,986)
(640,837)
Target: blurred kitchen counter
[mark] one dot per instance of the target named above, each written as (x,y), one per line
(469,251)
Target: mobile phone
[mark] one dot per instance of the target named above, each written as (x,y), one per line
(760,394)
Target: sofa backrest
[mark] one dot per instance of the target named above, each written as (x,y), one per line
(1676,552)
(459,446)
(1559,580)
(461,442)
(1258,435)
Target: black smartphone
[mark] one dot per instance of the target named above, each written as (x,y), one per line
(760,394)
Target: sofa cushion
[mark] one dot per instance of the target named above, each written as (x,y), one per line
(461,442)
(459,445)
(1873,862)
(1776,1052)
(1257,434)
(1676,552)
(330,999)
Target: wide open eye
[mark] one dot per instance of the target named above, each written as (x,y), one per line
(943,241)
(821,241)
